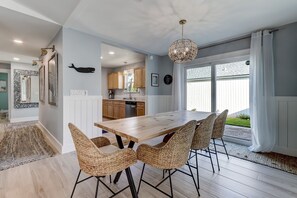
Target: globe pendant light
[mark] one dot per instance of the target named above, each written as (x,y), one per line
(183,50)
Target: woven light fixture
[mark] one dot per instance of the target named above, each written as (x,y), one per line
(183,50)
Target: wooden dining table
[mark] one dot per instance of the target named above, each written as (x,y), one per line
(142,128)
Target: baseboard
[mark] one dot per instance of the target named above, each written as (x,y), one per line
(25,119)
(285,151)
(56,145)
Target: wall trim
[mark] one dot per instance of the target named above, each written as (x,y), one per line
(56,145)
(285,151)
(286,98)
(220,58)
(25,119)
(83,111)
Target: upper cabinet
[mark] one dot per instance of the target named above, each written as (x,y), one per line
(115,80)
(139,77)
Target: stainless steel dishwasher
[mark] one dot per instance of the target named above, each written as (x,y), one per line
(130,109)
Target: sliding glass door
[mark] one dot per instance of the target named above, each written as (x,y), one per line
(217,87)
(199,88)
(232,88)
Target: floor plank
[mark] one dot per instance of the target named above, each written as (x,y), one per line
(55,177)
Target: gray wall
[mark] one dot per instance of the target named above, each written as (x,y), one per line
(104,88)
(4,66)
(72,47)
(161,65)
(285,53)
(51,117)
(232,46)
(82,50)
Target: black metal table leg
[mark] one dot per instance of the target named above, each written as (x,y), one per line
(131,183)
(121,146)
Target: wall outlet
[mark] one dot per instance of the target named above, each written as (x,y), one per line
(78,92)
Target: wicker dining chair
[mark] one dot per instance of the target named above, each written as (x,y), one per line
(218,133)
(98,158)
(201,141)
(168,156)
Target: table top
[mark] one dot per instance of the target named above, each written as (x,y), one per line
(138,129)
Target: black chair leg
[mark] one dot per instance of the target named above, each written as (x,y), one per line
(215,148)
(75,183)
(197,168)
(141,178)
(211,160)
(194,178)
(97,188)
(225,148)
(110,179)
(171,189)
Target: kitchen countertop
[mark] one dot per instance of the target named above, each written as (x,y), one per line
(128,100)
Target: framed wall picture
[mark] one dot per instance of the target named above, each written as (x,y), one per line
(41,83)
(155,80)
(3,85)
(53,80)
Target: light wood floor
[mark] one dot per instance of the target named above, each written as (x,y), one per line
(54,178)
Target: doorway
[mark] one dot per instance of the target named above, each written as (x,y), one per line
(3,97)
(219,86)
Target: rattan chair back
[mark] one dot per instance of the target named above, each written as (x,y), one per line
(219,125)
(87,152)
(203,133)
(179,145)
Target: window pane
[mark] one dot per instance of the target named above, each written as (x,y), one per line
(199,88)
(233,88)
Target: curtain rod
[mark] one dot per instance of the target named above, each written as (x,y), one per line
(233,40)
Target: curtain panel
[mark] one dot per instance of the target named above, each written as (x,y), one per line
(262,101)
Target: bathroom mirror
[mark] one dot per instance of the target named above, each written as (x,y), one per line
(29,89)
(26,89)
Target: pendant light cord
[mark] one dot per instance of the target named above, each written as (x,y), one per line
(182,31)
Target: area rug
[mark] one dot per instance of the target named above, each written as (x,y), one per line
(274,160)
(22,143)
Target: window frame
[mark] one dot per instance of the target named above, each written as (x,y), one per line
(212,61)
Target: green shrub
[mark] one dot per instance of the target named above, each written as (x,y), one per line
(243,116)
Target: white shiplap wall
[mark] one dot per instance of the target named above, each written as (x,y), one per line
(82,111)
(287,126)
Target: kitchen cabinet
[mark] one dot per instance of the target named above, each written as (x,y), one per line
(110,109)
(114,109)
(115,80)
(122,113)
(140,108)
(139,77)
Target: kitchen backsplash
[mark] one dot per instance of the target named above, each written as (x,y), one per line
(120,94)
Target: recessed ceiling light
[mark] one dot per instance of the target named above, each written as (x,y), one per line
(101,57)
(111,53)
(16,58)
(18,41)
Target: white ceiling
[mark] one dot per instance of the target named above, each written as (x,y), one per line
(119,57)
(152,25)
(146,25)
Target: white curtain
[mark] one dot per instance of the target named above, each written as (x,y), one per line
(178,88)
(262,100)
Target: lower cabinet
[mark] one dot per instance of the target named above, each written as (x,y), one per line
(140,108)
(113,109)
(110,109)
